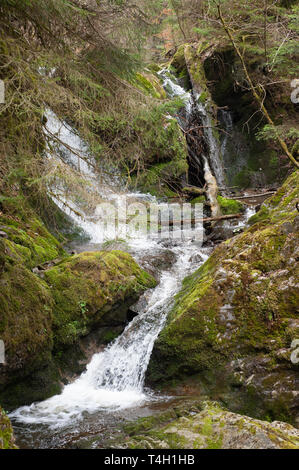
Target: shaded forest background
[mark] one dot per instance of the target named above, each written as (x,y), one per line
(83,60)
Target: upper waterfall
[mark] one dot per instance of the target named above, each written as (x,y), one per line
(193,107)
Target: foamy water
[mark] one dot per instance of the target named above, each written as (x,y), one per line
(114,378)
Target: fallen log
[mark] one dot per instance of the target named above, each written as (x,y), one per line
(254,195)
(222,217)
(212,189)
(194,190)
(206,219)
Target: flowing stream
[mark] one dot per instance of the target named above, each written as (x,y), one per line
(113,381)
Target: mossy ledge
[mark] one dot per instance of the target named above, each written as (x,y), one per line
(208,426)
(7,440)
(233,322)
(45,322)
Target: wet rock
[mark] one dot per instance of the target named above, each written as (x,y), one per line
(7,440)
(221,233)
(158,261)
(197,258)
(241,303)
(83,293)
(212,427)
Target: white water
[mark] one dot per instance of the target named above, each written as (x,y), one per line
(114,379)
(73,152)
(193,106)
(215,158)
(228,122)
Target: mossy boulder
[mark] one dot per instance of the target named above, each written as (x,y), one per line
(25,299)
(233,322)
(93,289)
(42,321)
(150,84)
(209,427)
(230,206)
(26,237)
(7,440)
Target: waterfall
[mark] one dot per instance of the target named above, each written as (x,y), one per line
(214,156)
(194,107)
(226,117)
(114,378)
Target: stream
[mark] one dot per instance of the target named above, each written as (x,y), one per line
(111,390)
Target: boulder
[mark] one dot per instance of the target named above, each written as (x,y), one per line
(233,323)
(7,440)
(45,323)
(210,427)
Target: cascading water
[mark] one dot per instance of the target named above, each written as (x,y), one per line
(215,159)
(114,378)
(194,107)
(226,117)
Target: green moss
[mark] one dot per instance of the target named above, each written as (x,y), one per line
(196,70)
(210,427)
(233,304)
(40,318)
(199,200)
(99,281)
(162,179)
(7,440)
(243,178)
(178,60)
(150,84)
(26,306)
(260,216)
(28,238)
(230,206)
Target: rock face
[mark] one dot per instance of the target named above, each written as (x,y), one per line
(211,428)
(93,288)
(7,440)
(233,323)
(45,322)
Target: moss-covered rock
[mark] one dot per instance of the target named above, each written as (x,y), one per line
(43,320)
(230,206)
(93,288)
(25,299)
(194,59)
(7,440)
(210,427)
(235,318)
(27,238)
(150,84)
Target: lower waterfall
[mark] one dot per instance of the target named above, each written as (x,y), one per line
(114,379)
